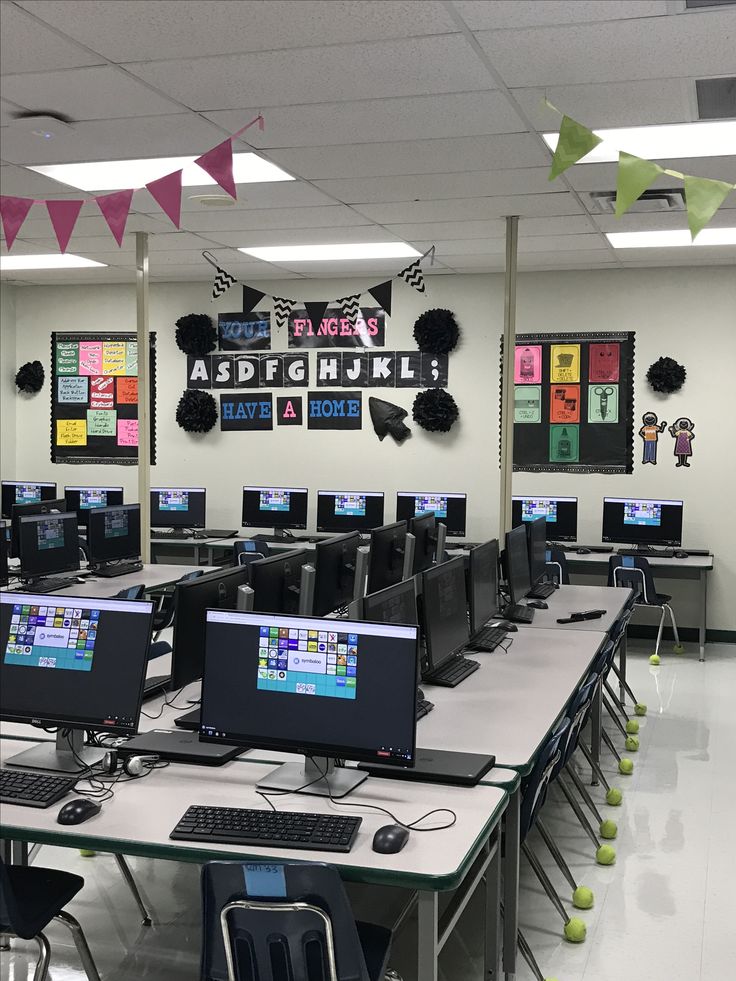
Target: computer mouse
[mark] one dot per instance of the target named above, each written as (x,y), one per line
(583,551)
(506,625)
(681,555)
(420,695)
(538,604)
(77,811)
(390,839)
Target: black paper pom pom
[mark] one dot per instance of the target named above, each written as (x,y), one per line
(666,375)
(436,332)
(435,410)
(30,377)
(196,411)
(196,334)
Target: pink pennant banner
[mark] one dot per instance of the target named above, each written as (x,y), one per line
(115,208)
(63,215)
(218,163)
(13,212)
(166,191)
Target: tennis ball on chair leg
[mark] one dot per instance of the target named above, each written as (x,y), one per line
(608,829)
(606,855)
(583,898)
(575,930)
(632,744)
(640,708)
(678,648)
(632,727)
(654,659)
(614,797)
(626,766)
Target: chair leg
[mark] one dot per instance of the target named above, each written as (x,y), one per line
(609,742)
(616,700)
(545,882)
(392,975)
(612,712)
(527,954)
(131,884)
(44,956)
(659,631)
(579,813)
(594,766)
(4,941)
(625,684)
(80,942)
(556,854)
(678,645)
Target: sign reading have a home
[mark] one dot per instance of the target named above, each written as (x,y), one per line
(334,410)
(246,412)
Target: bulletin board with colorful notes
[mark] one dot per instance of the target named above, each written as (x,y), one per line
(94,398)
(574,402)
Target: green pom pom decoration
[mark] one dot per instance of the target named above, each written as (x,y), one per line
(678,648)
(632,727)
(583,898)
(640,708)
(606,855)
(608,829)
(575,930)
(626,766)
(614,797)
(632,744)
(654,659)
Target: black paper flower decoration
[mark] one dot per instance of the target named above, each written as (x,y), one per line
(388,419)
(30,377)
(196,411)
(196,334)
(435,410)
(666,375)
(436,332)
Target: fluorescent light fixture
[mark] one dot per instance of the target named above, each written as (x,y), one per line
(311,253)
(667,239)
(54,260)
(711,139)
(117,175)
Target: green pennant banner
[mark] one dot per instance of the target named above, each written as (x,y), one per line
(703,198)
(575,142)
(634,177)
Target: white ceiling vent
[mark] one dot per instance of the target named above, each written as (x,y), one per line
(604,202)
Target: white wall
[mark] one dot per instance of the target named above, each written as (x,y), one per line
(689,314)
(8,369)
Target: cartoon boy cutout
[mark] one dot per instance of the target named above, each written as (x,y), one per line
(649,432)
(682,431)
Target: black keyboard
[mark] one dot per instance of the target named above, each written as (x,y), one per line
(452,672)
(33,789)
(487,638)
(178,534)
(48,585)
(602,549)
(113,571)
(517,613)
(267,829)
(424,707)
(542,590)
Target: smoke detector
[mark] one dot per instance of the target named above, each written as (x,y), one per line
(45,124)
(663,199)
(212,200)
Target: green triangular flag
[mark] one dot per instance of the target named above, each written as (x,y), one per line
(575,142)
(703,198)
(634,177)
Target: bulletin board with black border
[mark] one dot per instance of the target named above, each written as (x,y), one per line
(574,402)
(94,398)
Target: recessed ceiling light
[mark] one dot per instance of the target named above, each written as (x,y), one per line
(51,261)
(666,239)
(711,139)
(309,253)
(116,175)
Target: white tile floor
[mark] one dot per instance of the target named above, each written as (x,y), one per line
(664,912)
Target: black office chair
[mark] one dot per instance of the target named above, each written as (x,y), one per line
(634,572)
(83,549)
(267,921)
(30,898)
(131,593)
(244,549)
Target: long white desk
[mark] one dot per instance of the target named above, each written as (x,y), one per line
(151,576)
(574,598)
(202,550)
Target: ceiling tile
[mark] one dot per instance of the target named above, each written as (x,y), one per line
(371,271)
(457,209)
(441,230)
(723,218)
(566,260)
(612,104)
(602,177)
(481,15)
(38,226)
(276,194)
(562,243)
(26,183)
(416,66)
(27,46)
(312,236)
(428,187)
(286,218)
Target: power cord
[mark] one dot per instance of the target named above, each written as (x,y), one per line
(168,704)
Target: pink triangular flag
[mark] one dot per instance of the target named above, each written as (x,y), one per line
(167,193)
(218,163)
(13,213)
(115,208)
(63,215)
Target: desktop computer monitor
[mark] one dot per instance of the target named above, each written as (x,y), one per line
(216,590)
(517,564)
(24,492)
(72,662)
(386,563)
(560,513)
(275,507)
(19,511)
(113,534)
(83,499)
(339,689)
(536,535)
(178,507)
(396,604)
(343,511)
(424,530)
(637,521)
(4,576)
(447,508)
(276,582)
(444,608)
(49,543)
(482,583)
(334,580)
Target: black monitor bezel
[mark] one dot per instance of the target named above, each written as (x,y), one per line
(405,585)
(441,568)
(55,506)
(532,529)
(326,548)
(38,483)
(357,523)
(379,537)
(423,557)
(299,555)
(473,554)
(517,520)
(177,523)
(274,519)
(651,542)
(99,513)
(515,534)
(451,533)
(82,513)
(72,565)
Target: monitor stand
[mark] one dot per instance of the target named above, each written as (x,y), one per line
(67,755)
(308,778)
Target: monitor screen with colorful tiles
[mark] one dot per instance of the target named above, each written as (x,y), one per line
(308,662)
(52,637)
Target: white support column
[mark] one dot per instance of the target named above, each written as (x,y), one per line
(507,404)
(144,388)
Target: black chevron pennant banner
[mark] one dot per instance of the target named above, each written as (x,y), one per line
(350,306)
(316,312)
(382,295)
(223,282)
(413,276)
(251,298)
(282,308)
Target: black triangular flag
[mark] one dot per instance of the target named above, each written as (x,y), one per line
(316,312)
(251,298)
(382,295)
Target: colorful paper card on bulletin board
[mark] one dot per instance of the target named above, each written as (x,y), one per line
(581,403)
(94,398)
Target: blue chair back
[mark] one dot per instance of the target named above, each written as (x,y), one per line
(633,572)
(290,921)
(131,593)
(534,788)
(556,568)
(247,545)
(577,712)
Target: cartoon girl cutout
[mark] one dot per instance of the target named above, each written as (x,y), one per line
(682,432)
(649,432)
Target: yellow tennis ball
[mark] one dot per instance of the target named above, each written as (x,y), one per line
(632,727)
(614,797)
(626,766)
(583,898)
(678,648)
(575,930)
(608,829)
(654,659)
(86,853)
(632,744)
(640,708)
(606,855)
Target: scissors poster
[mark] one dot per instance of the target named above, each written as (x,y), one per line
(573,402)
